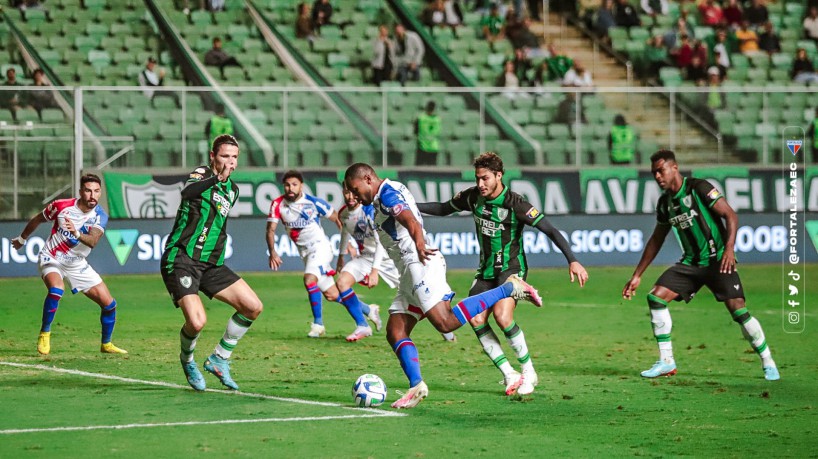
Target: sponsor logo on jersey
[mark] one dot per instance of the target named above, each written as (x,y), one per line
(532,213)
(713,194)
(151,200)
(794,146)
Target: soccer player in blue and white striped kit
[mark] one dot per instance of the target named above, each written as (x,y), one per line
(423,290)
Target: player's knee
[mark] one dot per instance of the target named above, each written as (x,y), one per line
(196,324)
(331,295)
(477,321)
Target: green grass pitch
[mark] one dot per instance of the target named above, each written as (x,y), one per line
(588,346)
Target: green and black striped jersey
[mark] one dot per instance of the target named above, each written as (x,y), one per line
(499,223)
(200,229)
(690,212)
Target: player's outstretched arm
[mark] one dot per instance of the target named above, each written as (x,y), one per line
(275,260)
(728,259)
(333,217)
(438,209)
(32,225)
(651,250)
(408,220)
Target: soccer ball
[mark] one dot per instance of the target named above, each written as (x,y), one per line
(369,390)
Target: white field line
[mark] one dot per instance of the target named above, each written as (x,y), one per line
(365,412)
(673,306)
(370,414)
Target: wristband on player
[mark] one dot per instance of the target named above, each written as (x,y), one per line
(76,234)
(20,239)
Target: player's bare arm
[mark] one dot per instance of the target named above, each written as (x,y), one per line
(90,239)
(335,219)
(32,225)
(575,269)
(728,259)
(275,260)
(416,231)
(655,242)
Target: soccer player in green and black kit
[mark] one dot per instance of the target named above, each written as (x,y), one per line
(500,216)
(194,260)
(694,209)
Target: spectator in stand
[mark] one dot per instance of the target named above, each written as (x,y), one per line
(811,25)
(409,52)
(768,40)
(654,8)
(150,78)
(10,99)
(683,54)
(756,14)
(802,69)
(383,57)
(40,99)
(626,15)
(427,129)
(303,24)
(521,37)
(714,98)
(567,111)
(493,26)
(217,57)
(217,125)
(557,64)
(523,67)
(747,39)
(674,36)
(509,81)
(433,15)
(322,16)
(711,13)
(700,51)
(577,76)
(733,14)
(696,71)
(722,47)
(604,19)
(656,54)
(621,141)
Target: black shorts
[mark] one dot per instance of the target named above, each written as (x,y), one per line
(188,277)
(687,280)
(481,285)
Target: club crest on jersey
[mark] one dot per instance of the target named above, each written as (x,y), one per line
(186,281)
(794,146)
(687,201)
(502,213)
(532,213)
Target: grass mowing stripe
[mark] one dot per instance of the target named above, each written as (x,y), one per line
(179,386)
(371,414)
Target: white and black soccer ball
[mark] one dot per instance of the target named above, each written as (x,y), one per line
(369,390)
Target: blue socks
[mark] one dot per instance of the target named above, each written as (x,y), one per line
(476,304)
(408,356)
(350,301)
(107,317)
(52,301)
(315,302)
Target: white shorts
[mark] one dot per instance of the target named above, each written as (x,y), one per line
(360,267)
(317,260)
(78,272)
(422,287)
